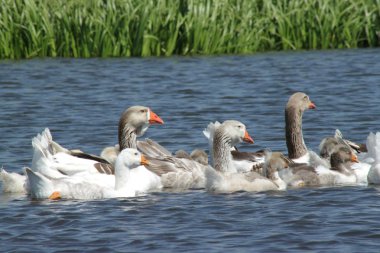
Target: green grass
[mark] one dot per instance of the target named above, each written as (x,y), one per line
(106,28)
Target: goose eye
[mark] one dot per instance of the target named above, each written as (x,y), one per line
(143,111)
(305,98)
(136,154)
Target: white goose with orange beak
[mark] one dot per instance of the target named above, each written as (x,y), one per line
(225,176)
(74,187)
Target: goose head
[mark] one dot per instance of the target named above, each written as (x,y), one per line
(131,158)
(200,156)
(301,101)
(227,135)
(328,146)
(236,132)
(138,118)
(275,161)
(342,155)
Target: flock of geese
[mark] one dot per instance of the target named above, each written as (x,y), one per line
(134,167)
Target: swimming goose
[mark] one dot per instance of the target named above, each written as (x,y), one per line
(372,158)
(290,173)
(330,144)
(41,187)
(45,163)
(327,145)
(17,183)
(340,172)
(243,161)
(12,182)
(225,176)
(133,123)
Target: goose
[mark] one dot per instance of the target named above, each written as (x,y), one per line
(42,187)
(361,167)
(297,104)
(327,145)
(372,158)
(290,173)
(45,163)
(224,176)
(133,123)
(12,182)
(243,161)
(340,172)
(17,183)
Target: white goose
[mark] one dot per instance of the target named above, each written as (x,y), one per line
(142,179)
(125,183)
(242,161)
(225,176)
(372,158)
(14,182)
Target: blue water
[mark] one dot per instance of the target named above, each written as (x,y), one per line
(80,100)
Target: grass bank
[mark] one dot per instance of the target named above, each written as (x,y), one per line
(104,28)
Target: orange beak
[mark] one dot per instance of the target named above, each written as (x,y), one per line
(144,161)
(154,119)
(247,138)
(354,158)
(55,196)
(312,105)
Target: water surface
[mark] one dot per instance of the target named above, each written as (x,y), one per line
(80,100)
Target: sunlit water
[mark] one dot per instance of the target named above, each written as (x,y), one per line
(81,101)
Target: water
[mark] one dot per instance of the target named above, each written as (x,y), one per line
(81,100)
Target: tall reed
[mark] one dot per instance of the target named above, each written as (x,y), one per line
(104,28)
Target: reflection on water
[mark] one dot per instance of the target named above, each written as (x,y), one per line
(80,101)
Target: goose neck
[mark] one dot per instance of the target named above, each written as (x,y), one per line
(127,137)
(222,157)
(294,137)
(122,175)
